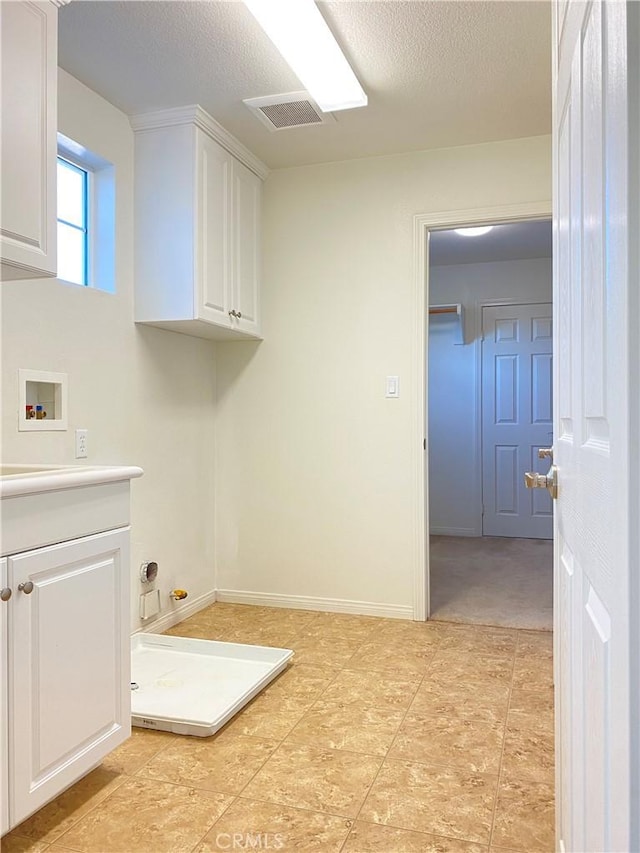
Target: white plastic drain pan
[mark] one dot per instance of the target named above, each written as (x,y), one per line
(193,687)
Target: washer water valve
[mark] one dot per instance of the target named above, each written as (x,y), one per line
(178,594)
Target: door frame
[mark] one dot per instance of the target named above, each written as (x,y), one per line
(478,306)
(423,224)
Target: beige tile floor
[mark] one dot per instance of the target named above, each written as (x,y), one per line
(384,736)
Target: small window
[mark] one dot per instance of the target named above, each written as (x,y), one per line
(86,216)
(73,225)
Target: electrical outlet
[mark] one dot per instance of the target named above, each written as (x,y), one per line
(81,443)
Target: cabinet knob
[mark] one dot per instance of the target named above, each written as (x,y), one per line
(236,314)
(27,587)
(5,594)
(239,315)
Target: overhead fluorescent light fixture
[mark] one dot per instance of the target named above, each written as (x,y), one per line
(474,232)
(302,36)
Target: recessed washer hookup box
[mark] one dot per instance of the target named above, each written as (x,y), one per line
(194,687)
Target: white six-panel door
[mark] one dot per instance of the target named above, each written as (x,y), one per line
(594,449)
(516,418)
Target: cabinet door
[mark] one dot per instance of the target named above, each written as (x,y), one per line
(28,139)
(4,730)
(69,656)
(247,189)
(213,277)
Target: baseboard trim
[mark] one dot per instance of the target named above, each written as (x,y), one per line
(269,599)
(328,605)
(177,614)
(454,531)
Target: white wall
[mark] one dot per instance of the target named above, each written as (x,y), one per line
(454,454)
(316,487)
(146,395)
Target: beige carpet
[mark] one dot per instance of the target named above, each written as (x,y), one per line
(492,581)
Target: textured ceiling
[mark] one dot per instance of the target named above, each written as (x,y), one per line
(436,73)
(514,242)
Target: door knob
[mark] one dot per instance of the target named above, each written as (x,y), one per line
(26,587)
(535,481)
(545,453)
(5,593)
(548,481)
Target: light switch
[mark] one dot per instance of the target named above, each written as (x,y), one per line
(393,386)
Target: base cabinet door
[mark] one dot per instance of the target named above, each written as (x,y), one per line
(69,664)
(4,717)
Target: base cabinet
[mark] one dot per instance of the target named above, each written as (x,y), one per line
(4,722)
(67,666)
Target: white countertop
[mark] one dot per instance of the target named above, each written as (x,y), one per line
(18,479)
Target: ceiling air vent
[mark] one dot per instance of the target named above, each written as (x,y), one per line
(281,112)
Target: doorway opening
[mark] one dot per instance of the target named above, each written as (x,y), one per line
(489,415)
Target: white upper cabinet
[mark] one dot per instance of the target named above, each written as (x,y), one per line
(198,196)
(29,37)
